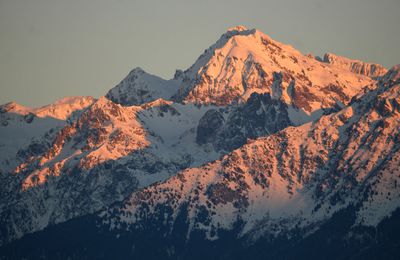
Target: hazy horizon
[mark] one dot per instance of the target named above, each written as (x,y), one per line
(51,49)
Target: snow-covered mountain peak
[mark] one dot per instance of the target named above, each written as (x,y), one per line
(244,61)
(140,87)
(247,61)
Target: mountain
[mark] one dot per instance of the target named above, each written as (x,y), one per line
(20,126)
(140,87)
(364,123)
(256,146)
(299,176)
(61,109)
(334,179)
(108,152)
(356,66)
(245,61)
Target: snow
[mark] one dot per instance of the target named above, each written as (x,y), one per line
(177,131)
(19,134)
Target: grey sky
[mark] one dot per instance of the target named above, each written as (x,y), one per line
(53,48)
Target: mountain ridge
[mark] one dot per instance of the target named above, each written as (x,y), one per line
(254,141)
(327,194)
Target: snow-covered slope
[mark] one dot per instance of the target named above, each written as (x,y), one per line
(22,128)
(296,178)
(140,87)
(108,152)
(244,61)
(356,66)
(71,176)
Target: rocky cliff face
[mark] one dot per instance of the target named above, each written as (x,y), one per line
(228,129)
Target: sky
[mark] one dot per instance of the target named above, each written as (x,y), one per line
(52,48)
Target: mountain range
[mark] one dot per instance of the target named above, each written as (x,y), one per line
(256,151)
